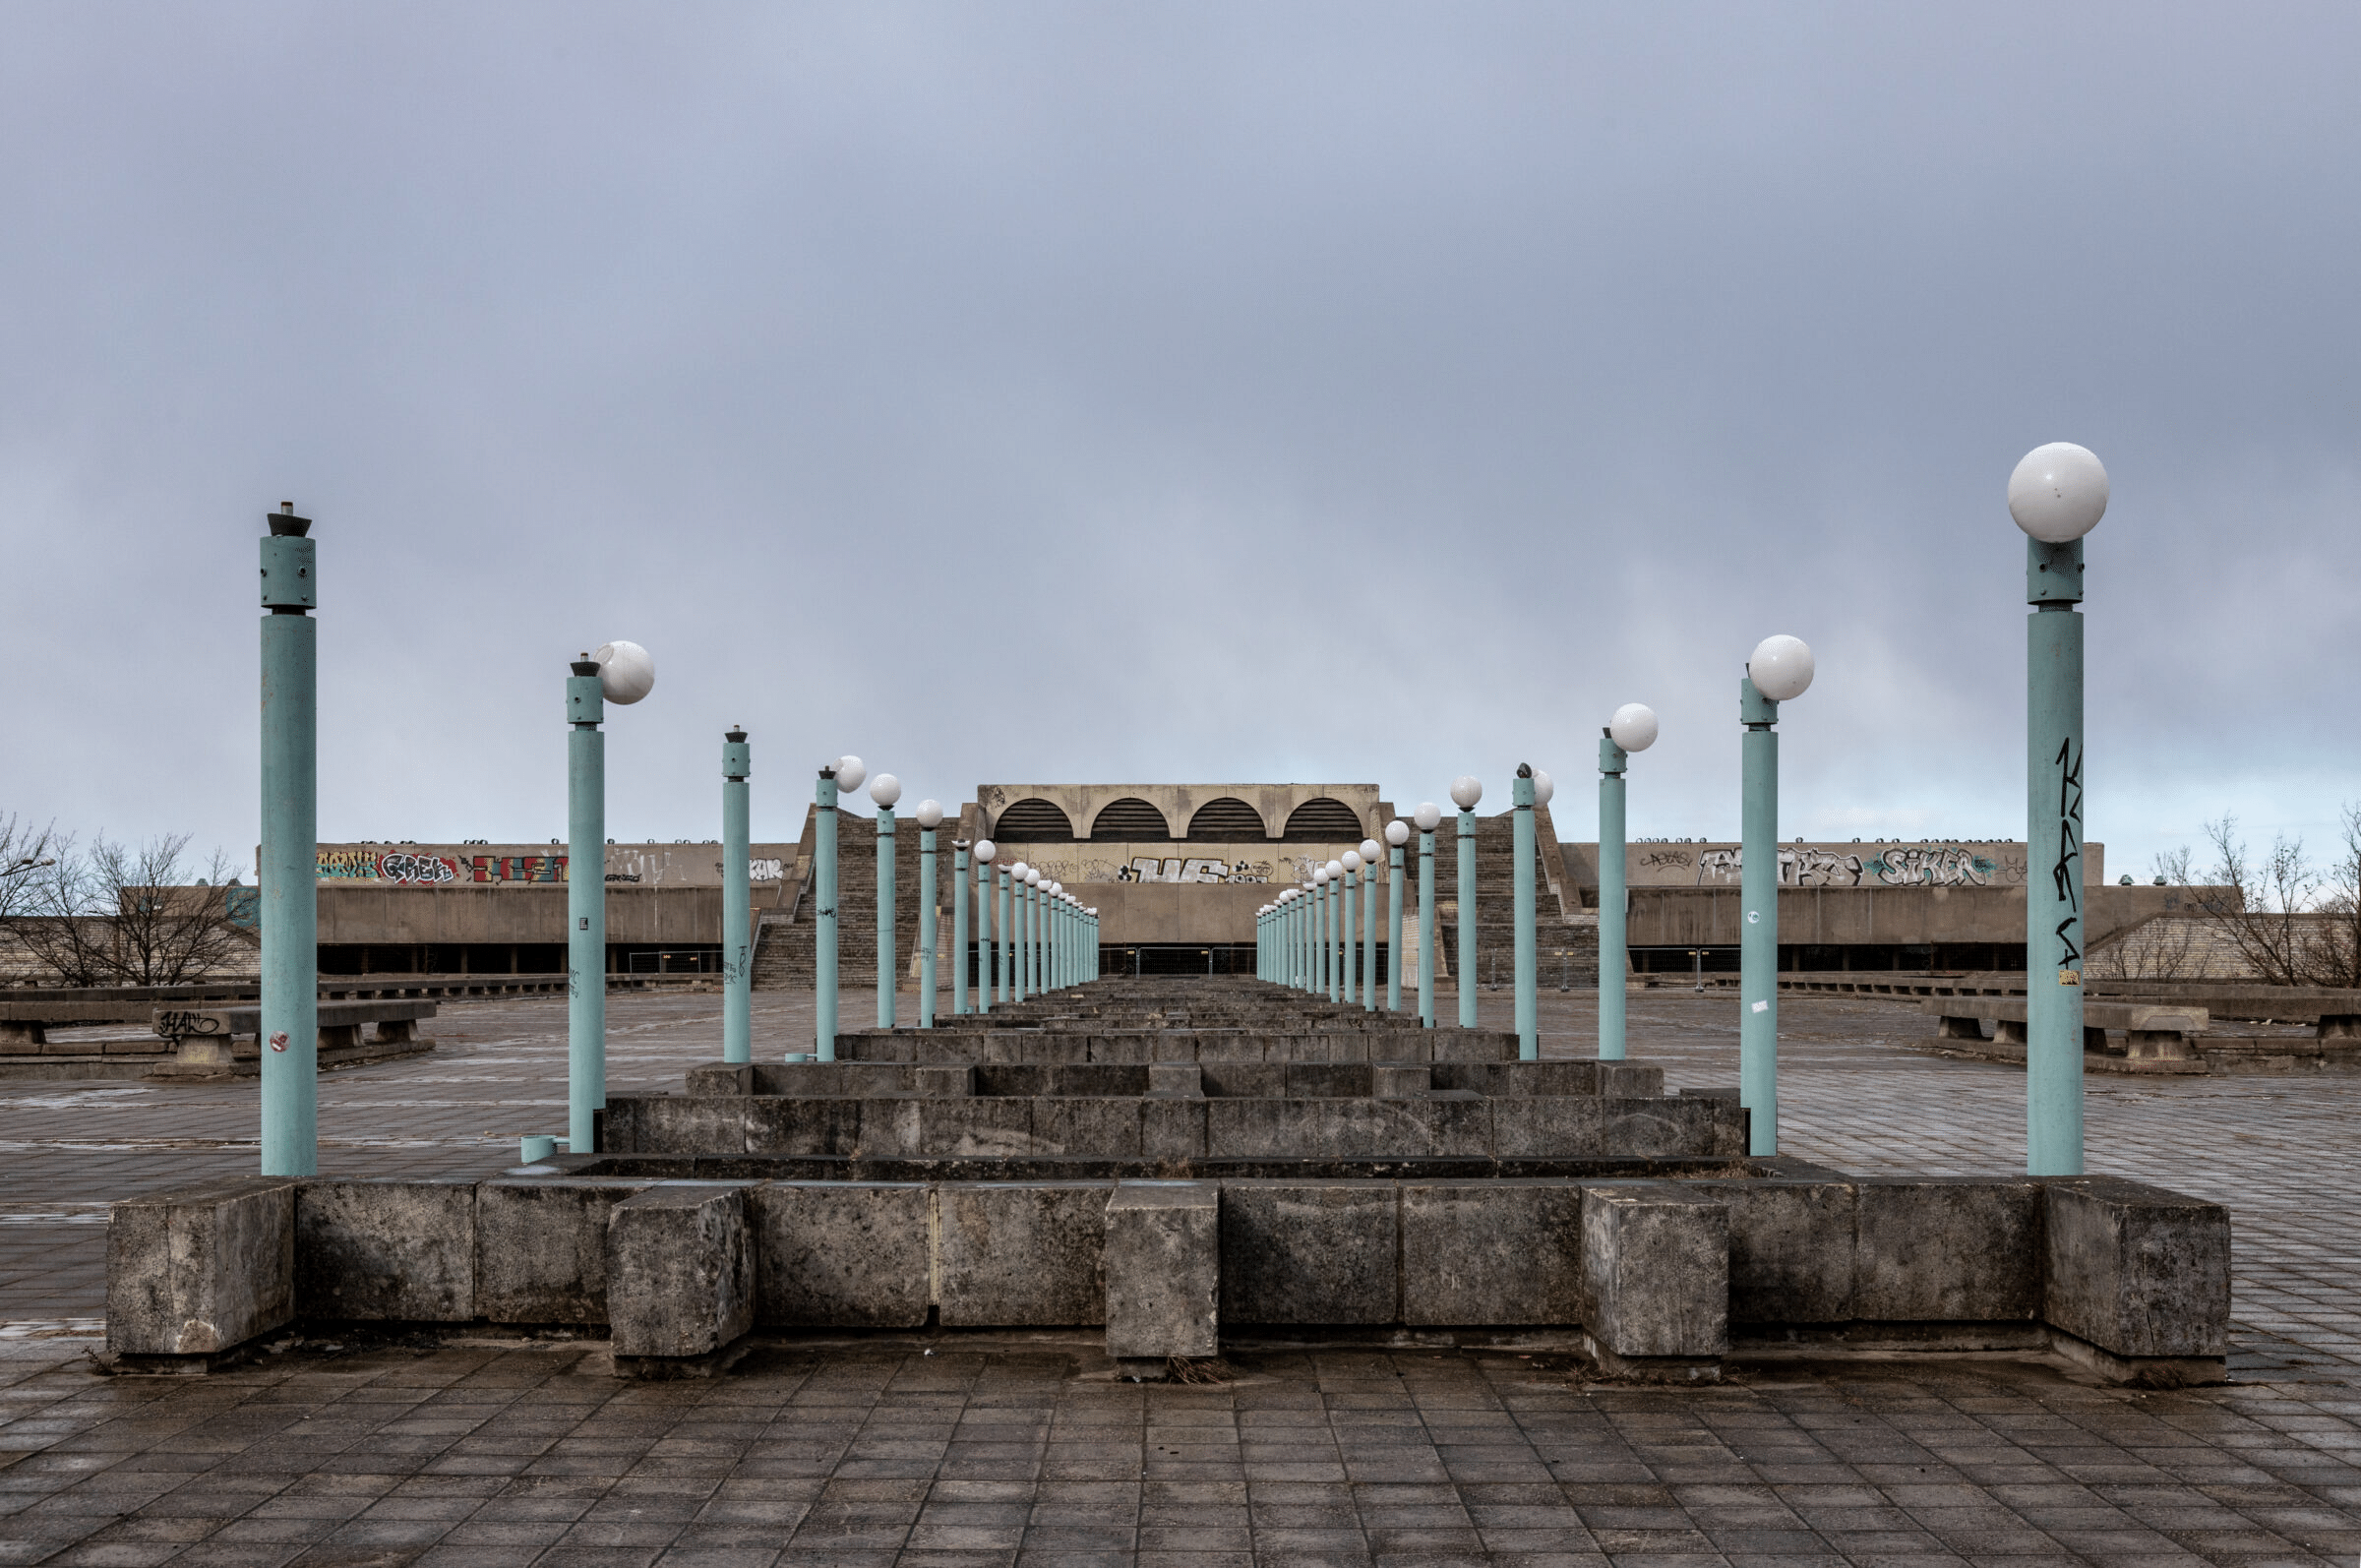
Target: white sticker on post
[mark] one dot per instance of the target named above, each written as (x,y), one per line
(1762,1006)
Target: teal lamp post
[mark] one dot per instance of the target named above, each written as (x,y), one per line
(987,963)
(1339,932)
(619,672)
(1028,934)
(2057,493)
(960,893)
(1370,853)
(1524,795)
(1780,671)
(288,866)
(1631,729)
(737,902)
(1429,818)
(1003,953)
(1012,906)
(1397,834)
(930,818)
(1323,955)
(1466,791)
(885,790)
(1349,950)
(845,773)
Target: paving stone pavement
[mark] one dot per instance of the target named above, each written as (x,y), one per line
(1018,1451)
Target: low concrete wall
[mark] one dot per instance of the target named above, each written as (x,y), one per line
(1660,1278)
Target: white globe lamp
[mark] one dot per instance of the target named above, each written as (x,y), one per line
(625,673)
(885,789)
(1466,791)
(1780,668)
(986,849)
(1397,832)
(1429,816)
(850,771)
(1542,788)
(2058,492)
(930,814)
(1633,727)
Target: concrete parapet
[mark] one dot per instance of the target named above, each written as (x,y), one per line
(1021,1254)
(195,1273)
(386,1248)
(680,1267)
(1492,1253)
(843,1254)
(1947,1249)
(1310,1252)
(1163,1272)
(541,1247)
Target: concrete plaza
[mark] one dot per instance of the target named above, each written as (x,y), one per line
(953,1450)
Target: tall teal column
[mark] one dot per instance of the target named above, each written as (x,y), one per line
(1368,926)
(1396,835)
(1323,921)
(585,907)
(2057,493)
(1614,901)
(885,791)
(929,814)
(824,906)
(1758,930)
(1003,952)
(1528,1035)
(1466,905)
(1347,952)
(1428,818)
(961,891)
(1021,956)
(737,901)
(987,962)
(288,865)
(2053,905)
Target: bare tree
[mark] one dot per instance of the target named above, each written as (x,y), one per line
(129,916)
(2258,904)
(26,852)
(2332,954)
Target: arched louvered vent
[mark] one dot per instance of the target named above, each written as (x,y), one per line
(1032,819)
(1228,820)
(1323,818)
(1130,818)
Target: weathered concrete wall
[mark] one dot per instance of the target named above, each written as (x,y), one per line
(2130,1279)
(1901,862)
(1837,916)
(1174,912)
(381,914)
(1180,803)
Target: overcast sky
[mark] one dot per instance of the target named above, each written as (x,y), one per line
(1270,392)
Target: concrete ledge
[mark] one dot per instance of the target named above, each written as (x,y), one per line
(1947,1249)
(1163,1271)
(2136,1271)
(1655,1272)
(1493,1251)
(680,1263)
(2140,1372)
(1298,1252)
(199,1270)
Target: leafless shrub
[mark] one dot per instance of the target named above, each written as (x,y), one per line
(119,914)
(2292,922)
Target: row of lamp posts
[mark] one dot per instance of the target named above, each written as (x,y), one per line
(1042,937)
(2057,493)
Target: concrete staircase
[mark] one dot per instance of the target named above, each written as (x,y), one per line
(785,946)
(1567,936)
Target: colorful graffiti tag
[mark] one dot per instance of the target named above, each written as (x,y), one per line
(1897,865)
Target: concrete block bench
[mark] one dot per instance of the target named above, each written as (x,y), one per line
(211,1041)
(2153,1031)
(1662,1279)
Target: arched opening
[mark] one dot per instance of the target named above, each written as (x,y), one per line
(1130,817)
(1034,818)
(1228,820)
(1323,819)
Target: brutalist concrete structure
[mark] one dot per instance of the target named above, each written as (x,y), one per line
(1183,1164)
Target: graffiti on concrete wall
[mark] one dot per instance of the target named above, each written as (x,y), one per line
(439,865)
(1077,864)
(1921,865)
